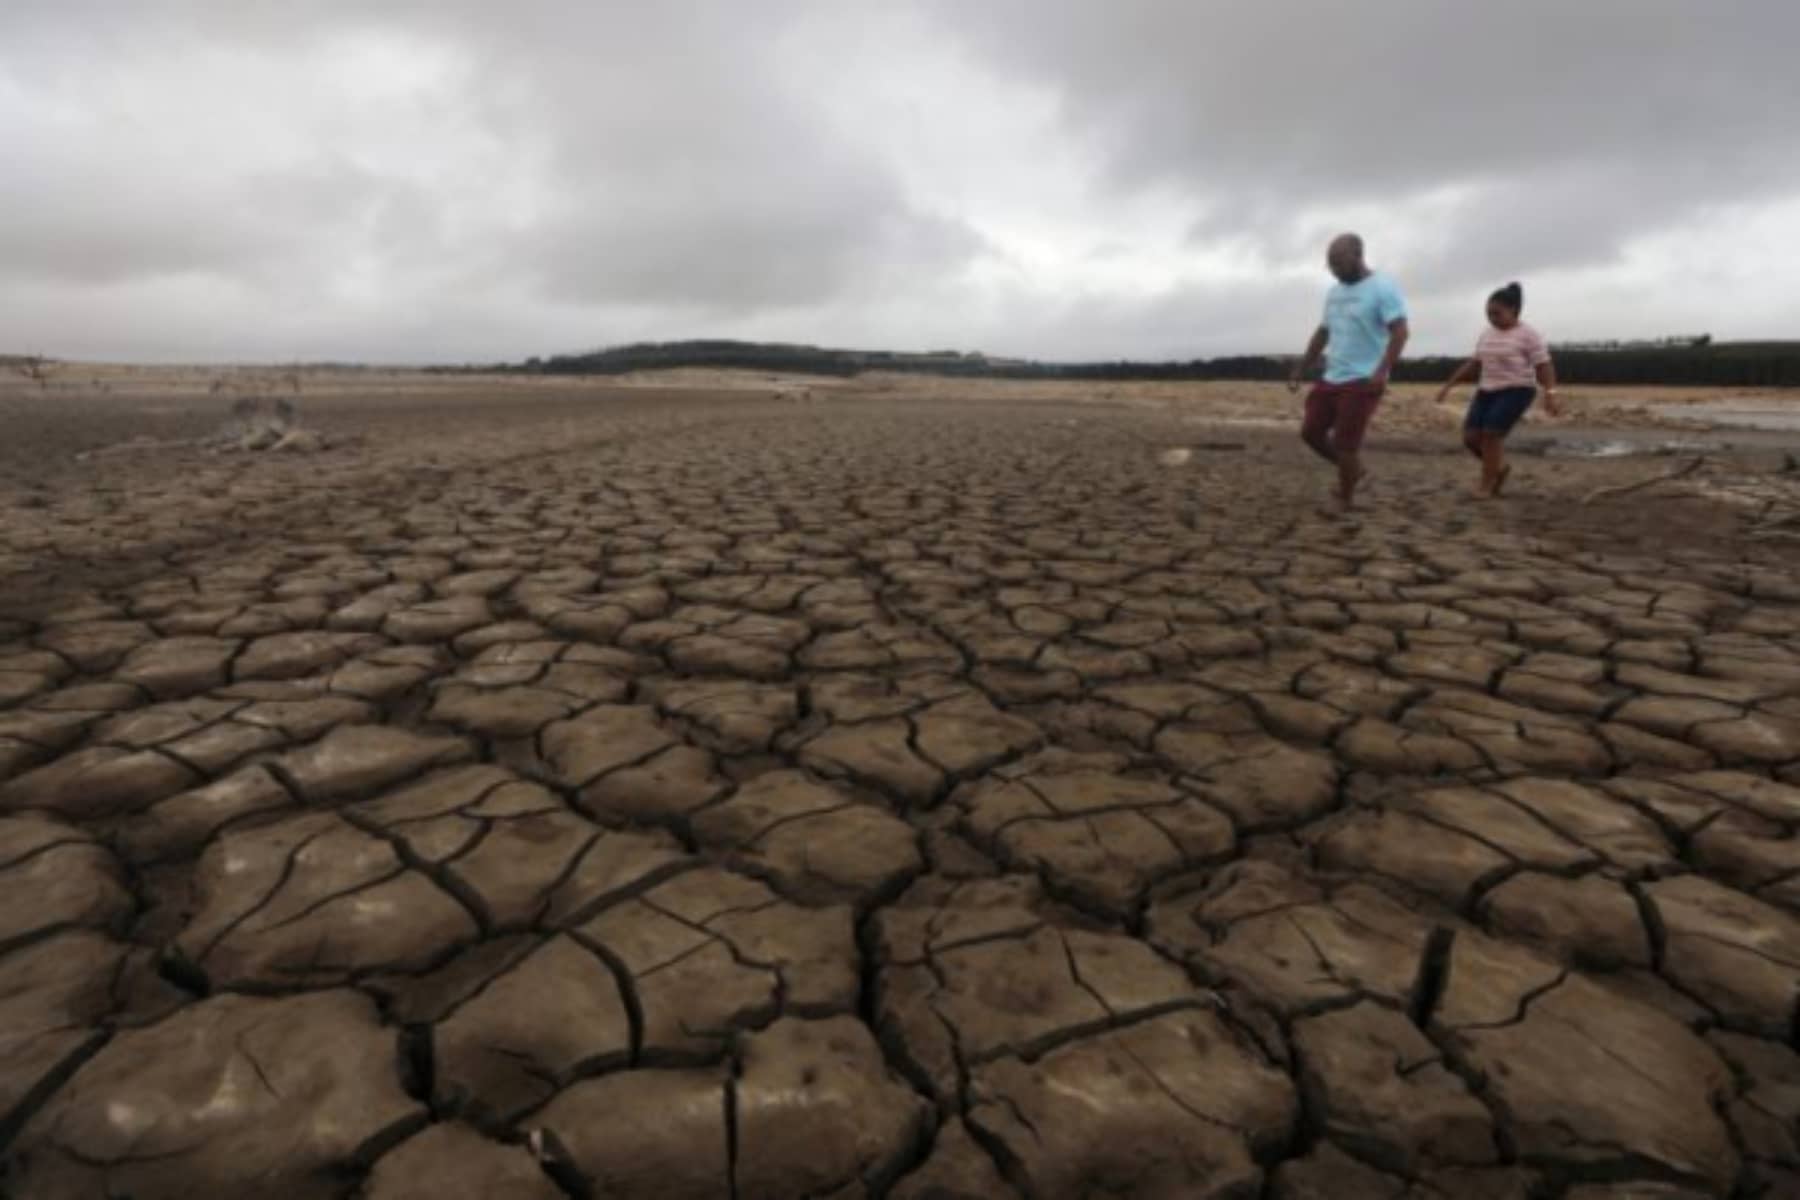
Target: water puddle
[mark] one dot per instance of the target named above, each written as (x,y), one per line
(1772,416)
(1241,422)
(1615,446)
(1180,456)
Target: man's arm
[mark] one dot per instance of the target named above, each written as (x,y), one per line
(1314,349)
(1398,332)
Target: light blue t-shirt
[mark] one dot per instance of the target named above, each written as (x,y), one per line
(1357,316)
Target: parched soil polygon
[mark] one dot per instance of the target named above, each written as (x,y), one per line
(664,794)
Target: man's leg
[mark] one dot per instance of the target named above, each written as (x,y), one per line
(1472,440)
(1315,429)
(1350,473)
(1357,411)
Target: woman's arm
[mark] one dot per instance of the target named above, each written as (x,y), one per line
(1546,374)
(1468,368)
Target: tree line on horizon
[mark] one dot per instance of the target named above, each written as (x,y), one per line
(1677,362)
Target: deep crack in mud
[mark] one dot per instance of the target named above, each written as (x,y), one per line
(698,797)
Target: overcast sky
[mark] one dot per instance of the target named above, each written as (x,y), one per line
(457,180)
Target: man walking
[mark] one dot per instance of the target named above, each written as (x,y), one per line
(1362,336)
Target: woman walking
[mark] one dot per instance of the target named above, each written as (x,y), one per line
(1514,362)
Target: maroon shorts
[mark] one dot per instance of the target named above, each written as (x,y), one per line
(1342,410)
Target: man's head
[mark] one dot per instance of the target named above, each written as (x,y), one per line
(1345,258)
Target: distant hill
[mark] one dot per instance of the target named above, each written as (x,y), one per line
(772,356)
(1681,362)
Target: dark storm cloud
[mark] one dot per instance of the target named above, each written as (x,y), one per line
(663,156)
(739,251)
(456,179)
(689,161)
(1570,127)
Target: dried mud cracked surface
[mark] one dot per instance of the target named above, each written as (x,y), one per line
(706,798)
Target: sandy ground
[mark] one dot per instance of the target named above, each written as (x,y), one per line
(84,407)
(723,786)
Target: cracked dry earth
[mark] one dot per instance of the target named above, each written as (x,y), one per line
(699,797)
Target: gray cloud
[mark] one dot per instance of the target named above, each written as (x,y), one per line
(453,179)
(1572,128)
(1405,95)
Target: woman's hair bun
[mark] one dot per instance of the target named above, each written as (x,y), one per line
(1512,296)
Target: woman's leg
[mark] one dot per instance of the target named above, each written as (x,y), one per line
(1509,410)
(1475,436)
(1475,442)
(1493,462)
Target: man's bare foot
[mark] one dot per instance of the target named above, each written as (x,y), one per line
(1500,480)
